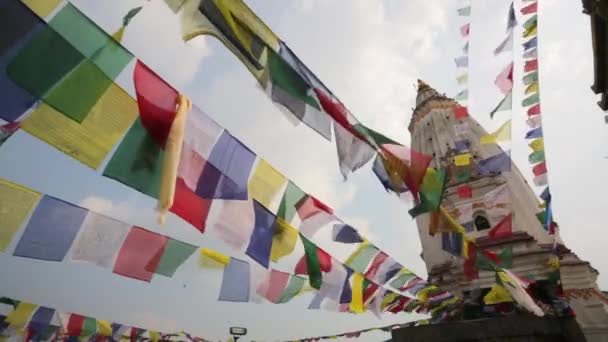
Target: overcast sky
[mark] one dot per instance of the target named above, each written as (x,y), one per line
(370,54)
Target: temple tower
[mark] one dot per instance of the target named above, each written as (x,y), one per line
(436,132)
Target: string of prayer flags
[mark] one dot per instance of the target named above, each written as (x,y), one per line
(503,133)
(16,204)
(462,62)
(38,323)
(504,80)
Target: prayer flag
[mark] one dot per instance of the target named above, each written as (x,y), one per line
(213,259)
(504,80)
(295,285)
(314,262)
(353,151)
(462,95)
(495,164)
(374,267)
(534,121)
(311,206)
(512,20)
(21,315)
(461,112)
(42,8)
(465,191)
(535,133)
(452,243)
(234,223)
(174,255)
(531,54)
(356,305)
(344,233)
(465,11)
(541,180)
(532,88)
(536,157)
(462,79)
(534,110)
(462,61)
(537,145)
(505,104)
(531,22)
(283,240)
(540,169)
(503,228)
(532,43)
(402,278)
(41,320)
(530,32)
(464,30)
(517,290)
(51,230)
(532,8)
(236,282)
(469,269)
(75,324)
(502,134)
(16,204)
(100,240)
(506,45)
(188,205)
(431,192)
(462,159)
(292,196)
(277,281)
(260,242)
(360,259)
(140,254)
(465,48)
(531,78)
(265,183)
(462,146)
(531,100)
(498,294)
(389,269)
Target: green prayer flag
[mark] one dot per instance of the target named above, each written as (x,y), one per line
(465,11)
(130,15)
(315,277)
(506,257)
(403,277)
(294,287)
(531,100)
(174,255)
(536,157)
(482,262)
(531,78)
(532,22)
(287,208)
(359,261)
(463,175)
(379,138)
(89,327)
(431,192)
(285,77)
(137,162)
(505,104)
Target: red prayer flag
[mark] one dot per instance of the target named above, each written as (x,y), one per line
(276,284)
(531,65)
(492,256)
(140,254)
(419,163)
(465,191)
(338,112)
(157,102)
(461,112)
(469,270)
(310,206)
(504,80)
(324,262)
(504,228)
(375,265)
(540,169)
(464,30)
(534,110)
(532,8)
(370,291)
(75,324)
(189,206)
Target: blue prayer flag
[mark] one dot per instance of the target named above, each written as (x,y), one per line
(532,43)
(535,133)
(41,319)
(495,164)
(235,283)
(462,146)
(260,242)
(347,294)
(346,234)
(51,230)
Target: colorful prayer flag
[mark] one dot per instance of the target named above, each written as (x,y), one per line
(512,20)
(360,259)
(505,104)
(464,30)
(534,110)
(51,230)
(535,133)
(462,159)
(464,11)
(533,53)
(532,8)
(462,95)
(277,282)
(498,294)
(234,223)
(531,100)
(356,305)
(534,121)
(235,282)
(16,203)
(174,255)
(506,45)
(540,168)
(265,183)
(536,157)
(532,88)
(462,61)
(21,315)
(140,254)
(537,145)
(531,22)
(502,229)
(295,285)
(344,233)
(530,44)
(283,240)
(495,164)
(461,112)
(504,80)
(503,133)
(292,196)
(465,191)
(260,242)
(313,263)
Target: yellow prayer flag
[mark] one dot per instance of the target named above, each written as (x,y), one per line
(462,159)
(532,88)
(212,259)
(448,224)
(532,31)
(465,246)
(265,183)
(16,203)
(498,294)
(502,134)
(462,79)
(21,315)
(356,304)
(119,34)
(537,145)
(154,336)
(42,8)
(104,328)
(423,295)
(91,140)
(283,240)
(389,298)
(554,262)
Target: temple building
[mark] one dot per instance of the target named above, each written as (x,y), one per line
(598,13)
(436,132)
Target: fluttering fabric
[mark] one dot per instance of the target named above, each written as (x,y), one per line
(16,204)
(140,254)
(495,164)
(344,233)
(503,133)
(236,282)
(260,243)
